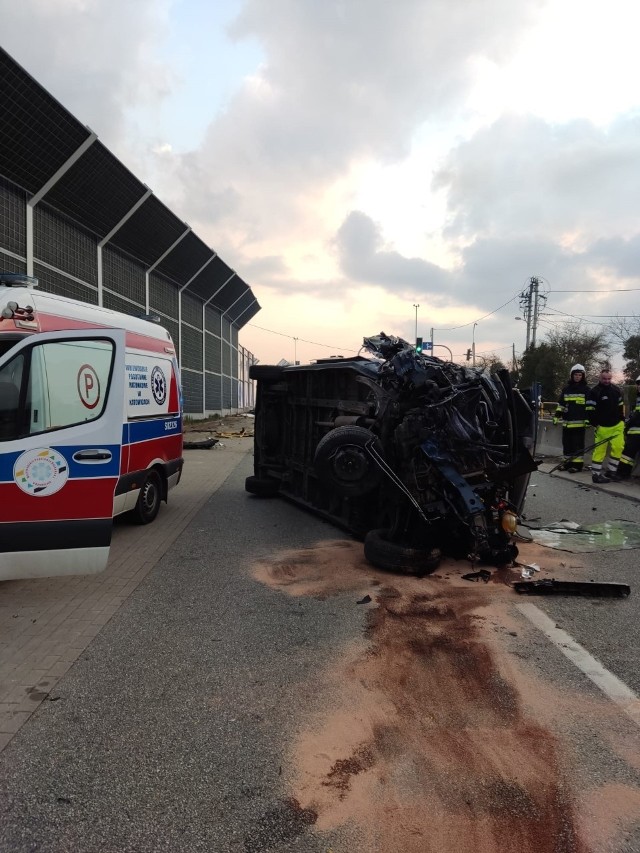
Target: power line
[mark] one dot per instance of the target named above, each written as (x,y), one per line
(303,340)
(464,325)
(608,290)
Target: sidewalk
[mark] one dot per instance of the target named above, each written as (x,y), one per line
(630,489)
(46,624)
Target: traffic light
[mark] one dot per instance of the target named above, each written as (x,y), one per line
(418,344)
(469,354)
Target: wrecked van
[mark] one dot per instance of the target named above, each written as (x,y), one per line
(417,456)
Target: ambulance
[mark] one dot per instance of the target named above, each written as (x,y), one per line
(90,428)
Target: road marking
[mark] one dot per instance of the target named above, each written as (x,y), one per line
(610,684)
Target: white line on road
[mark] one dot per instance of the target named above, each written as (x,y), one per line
(610,684)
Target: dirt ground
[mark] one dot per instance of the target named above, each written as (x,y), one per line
(227,427)
(440,740)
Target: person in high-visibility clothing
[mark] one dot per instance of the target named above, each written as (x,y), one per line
(605,410)
(632,440)
(571,413)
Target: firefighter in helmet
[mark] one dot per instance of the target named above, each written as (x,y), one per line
(631,440)
(571,413)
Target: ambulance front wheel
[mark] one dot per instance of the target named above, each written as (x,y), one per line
(149,499)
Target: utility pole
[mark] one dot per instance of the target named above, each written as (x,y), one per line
(530,301)
(534,325)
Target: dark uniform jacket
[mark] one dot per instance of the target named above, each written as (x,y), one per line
(605,406)
(572,404)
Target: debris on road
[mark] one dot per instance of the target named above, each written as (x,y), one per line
(551,586)
(199,443)
(616,535)
(480,575)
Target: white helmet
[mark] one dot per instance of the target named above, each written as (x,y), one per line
(638,379)
(576,368)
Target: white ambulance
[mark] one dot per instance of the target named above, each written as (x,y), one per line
(90,427)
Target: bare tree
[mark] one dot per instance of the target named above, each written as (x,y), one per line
(491,362)
(550,362)
(574,345)
(623,328)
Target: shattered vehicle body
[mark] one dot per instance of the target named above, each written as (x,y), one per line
(417,456)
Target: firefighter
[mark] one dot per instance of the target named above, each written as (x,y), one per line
(571,413)
(632,440)
(605,410)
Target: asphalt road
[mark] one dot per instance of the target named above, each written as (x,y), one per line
(172,731)
(607,628)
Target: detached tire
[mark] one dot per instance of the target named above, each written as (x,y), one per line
(392,557)
(266,372)
(149,499)
(342,462)
(261,487)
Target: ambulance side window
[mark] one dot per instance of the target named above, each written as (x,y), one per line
(68,383)
(10,381)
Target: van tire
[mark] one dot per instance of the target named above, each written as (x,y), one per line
(393,557)
(268,372)
(342,462)
(261,487)
(149,499)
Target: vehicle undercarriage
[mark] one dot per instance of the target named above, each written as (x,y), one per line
(419,457)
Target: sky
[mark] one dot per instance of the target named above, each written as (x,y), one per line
(354,159)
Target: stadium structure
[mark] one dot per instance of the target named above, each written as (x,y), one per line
(73,216)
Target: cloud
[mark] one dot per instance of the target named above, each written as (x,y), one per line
(96,56)
(364,259)
(566,182)
(341,82)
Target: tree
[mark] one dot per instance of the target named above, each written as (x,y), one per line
(632,353)
(540,364)
(574,345)
(551,361)
(623,328)
(491,362)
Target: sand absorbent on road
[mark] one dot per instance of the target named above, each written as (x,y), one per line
(440,739)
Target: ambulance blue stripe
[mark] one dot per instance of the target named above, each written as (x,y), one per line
(137,431)
(77,470)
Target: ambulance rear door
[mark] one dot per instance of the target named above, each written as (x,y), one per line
(61,422)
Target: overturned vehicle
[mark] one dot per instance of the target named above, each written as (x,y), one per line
(419,457)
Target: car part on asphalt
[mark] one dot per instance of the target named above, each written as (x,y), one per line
(480,575)
(200,443)
(417,456)
(550,586)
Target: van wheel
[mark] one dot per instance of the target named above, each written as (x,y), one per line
(149,499)
(265,372)
(342,462)
(393,557)
(262,487)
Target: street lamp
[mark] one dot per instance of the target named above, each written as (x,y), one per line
(416,306)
